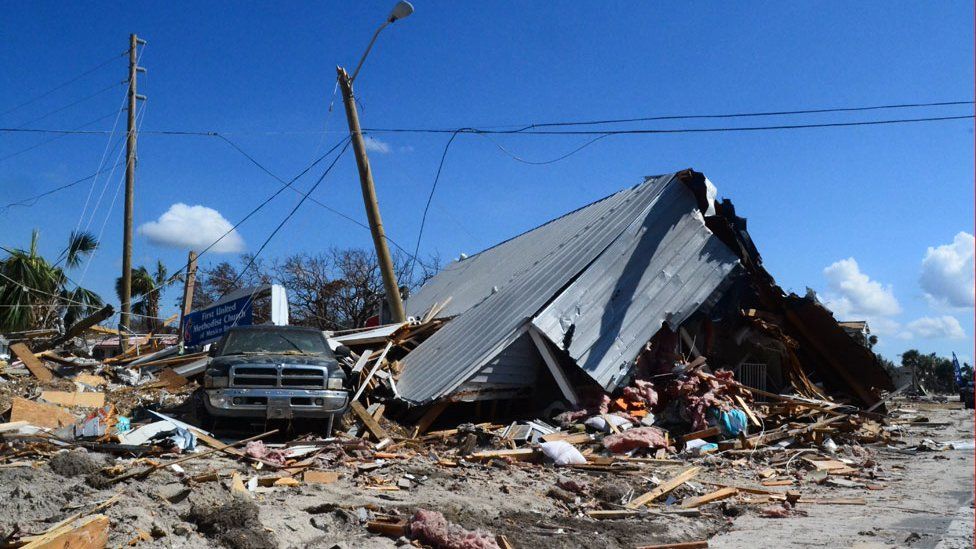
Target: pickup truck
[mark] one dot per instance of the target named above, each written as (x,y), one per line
(274,372)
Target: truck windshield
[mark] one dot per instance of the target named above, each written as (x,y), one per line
(275,341)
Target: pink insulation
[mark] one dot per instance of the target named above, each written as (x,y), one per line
(431,527)
(257,449)
(642,391)
(631,439)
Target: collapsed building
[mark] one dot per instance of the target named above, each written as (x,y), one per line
(618,290)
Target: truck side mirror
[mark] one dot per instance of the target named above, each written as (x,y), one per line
(343,351)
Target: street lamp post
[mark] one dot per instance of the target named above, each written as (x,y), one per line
(401,10)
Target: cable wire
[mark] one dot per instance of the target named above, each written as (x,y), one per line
(30,201)
(62,85)
(69,105)
(430,197)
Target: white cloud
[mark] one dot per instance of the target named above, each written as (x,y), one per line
(941,327)
(852,294)
(194,228)
(377,146)
(948,273)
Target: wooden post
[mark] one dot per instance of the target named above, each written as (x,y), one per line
(191,277)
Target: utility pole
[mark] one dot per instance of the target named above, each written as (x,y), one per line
(369,197)
(191,277)
(130,182)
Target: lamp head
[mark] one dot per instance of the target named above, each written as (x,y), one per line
(401,10)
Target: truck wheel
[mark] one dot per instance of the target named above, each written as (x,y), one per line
(328,427)
(206,421)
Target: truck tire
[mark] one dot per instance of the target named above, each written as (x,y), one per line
(206,421)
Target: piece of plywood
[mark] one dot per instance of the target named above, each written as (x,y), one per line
(71,399)
(90,379)
(313,476)
(90,533)
(35,366)
(171,379)
(40,414)
(664,487)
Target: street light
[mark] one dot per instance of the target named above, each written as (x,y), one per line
(390,285)
(401,10)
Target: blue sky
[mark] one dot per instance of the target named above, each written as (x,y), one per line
(264,74)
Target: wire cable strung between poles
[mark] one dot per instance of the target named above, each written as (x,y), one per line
(430,197)
(32,200)
(179,272)
(289,216)
(62,85)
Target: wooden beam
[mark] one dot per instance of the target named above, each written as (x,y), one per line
(188,286)
(34,365)
(430,417)
(368,421)
(720,494)
(553,364)
(90,533)
(664,488)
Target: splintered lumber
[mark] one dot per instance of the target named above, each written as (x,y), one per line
(368,421)
(429,417)
(171,379)
(611,514)
(388,526)
(89,379)
(150,470)
(681,545)
(39,414)
(664,487)
(12,426)
(361,362)
(35,366)
(90,533)
(720,494)
(518,454)
(237,484)
(749,413)
(703,434)
(84,400)
(372,372)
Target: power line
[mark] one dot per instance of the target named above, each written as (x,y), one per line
(747,114)
(69,105)
(30,201)
(292,212)
(245,218)
(637,131)
(59,135)
(62,85)
(423,219)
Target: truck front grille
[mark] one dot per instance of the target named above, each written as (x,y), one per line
(291,377)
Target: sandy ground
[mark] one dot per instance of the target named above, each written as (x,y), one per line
(925,501)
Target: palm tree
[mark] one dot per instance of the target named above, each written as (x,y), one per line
(34,292)
(148,286)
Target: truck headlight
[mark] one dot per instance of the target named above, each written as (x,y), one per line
(336,382)
(215,382)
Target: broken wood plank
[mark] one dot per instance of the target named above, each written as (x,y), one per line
(429,417)
(237,484)
(518,454)
(749,413)
(71,399)
(612,514)
(703,434)
(12,426)
(664,487)
(361,362)
(171,379)
(39,414)
(90,533)
(388,526)
(720,494)
(572,438)
(372,372)
(368,421)
(35,366)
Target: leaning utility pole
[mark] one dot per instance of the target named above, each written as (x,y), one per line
(191,277)
(130,182)
(369,197)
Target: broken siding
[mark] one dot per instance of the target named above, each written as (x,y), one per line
(663,268)
(516,366)
(548,258)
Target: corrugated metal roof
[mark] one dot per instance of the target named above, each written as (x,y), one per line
(664,267)
(509,284)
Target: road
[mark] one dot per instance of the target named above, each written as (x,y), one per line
(927,500)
